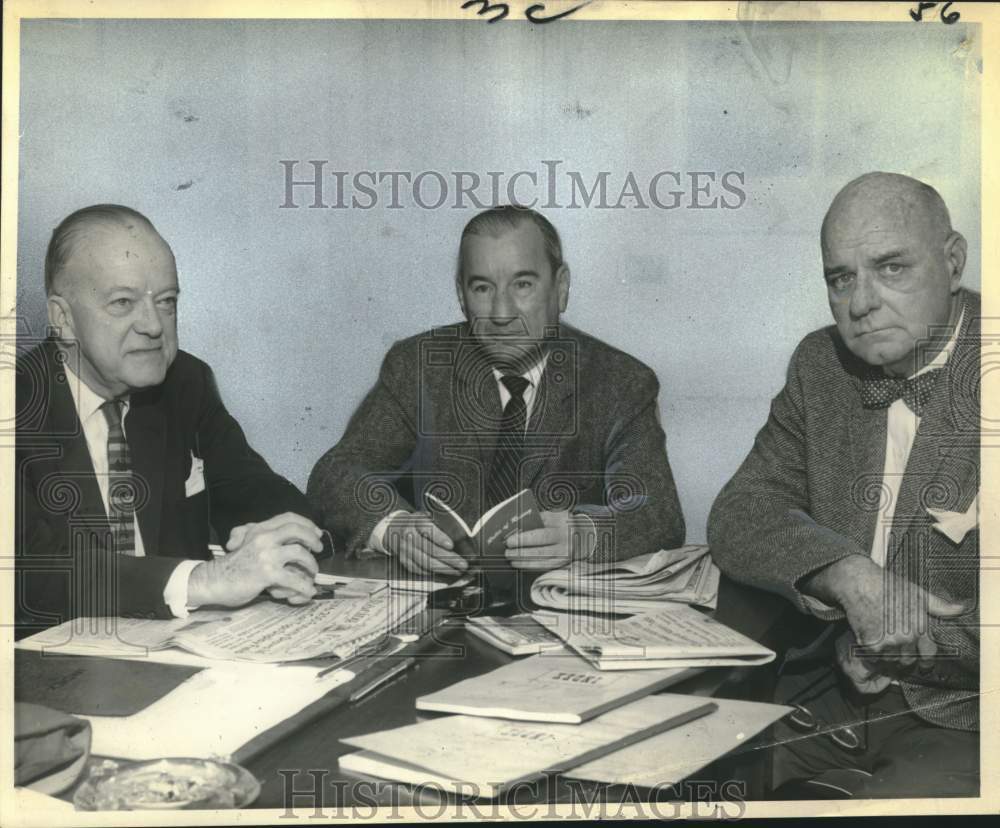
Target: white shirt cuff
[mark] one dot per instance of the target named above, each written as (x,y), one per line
(820,609)
(175,593)
(375,541)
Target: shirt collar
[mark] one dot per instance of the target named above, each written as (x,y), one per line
(944,354)
(87,402)
(532,375)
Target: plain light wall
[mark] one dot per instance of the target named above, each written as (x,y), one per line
(187,121)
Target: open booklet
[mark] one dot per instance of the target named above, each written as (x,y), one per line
(675,636)
(640,584)
(486,539)
(263,632)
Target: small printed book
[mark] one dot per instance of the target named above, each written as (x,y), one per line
(481,757)
(549,687)
(676,636)
(486,539)
(517,635)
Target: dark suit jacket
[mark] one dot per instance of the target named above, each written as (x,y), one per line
(64,568)
(808,495)
(594,442)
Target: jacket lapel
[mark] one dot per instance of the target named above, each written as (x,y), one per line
(553,411)
(867,429)
(942,470)
(73,461)
(146,433)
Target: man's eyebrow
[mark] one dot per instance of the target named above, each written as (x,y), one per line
(522,273)
(471,277)
(885,257)
(835,271)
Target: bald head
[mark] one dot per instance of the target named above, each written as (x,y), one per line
(892,264)
(93,227)
(877,200)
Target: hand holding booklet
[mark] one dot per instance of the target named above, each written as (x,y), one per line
(487,538)
(675,636)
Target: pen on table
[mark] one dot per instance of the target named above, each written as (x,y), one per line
(383,677)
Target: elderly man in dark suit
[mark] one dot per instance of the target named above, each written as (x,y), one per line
(511,399)
(858,502)
(126,455)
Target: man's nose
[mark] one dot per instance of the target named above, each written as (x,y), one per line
(502,310)
(865,297)
(148,320)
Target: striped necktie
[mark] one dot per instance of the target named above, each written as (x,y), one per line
(121,488)
(503,477)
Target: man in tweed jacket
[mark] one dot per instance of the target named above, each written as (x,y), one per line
(860,507)
(593,449)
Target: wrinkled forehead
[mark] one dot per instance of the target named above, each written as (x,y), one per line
(105,252)
(867,221)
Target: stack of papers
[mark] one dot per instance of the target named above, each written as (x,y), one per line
(684,575)
(264,632)
(677,636)
(480,757)
(516,635)
(551,687)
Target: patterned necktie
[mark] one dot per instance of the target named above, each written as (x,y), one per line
(121,488)
(510,443)
(881,392)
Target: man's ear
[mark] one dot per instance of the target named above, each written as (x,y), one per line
(60,316)
(461,294)
(955,251)
(562,285)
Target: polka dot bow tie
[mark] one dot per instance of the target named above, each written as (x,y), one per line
(881,392)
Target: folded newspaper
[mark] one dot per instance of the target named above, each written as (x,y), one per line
(685,575)
(263,632)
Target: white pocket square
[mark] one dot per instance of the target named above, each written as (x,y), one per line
(196,480)
(956,525)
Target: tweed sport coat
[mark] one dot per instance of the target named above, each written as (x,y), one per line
(594,443)
(64,567)
(810,490)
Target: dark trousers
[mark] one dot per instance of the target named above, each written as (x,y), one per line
(854,746)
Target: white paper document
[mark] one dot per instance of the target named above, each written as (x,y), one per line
(555,686)
(214,713)
(678,636)
(266,631)
(470,755)
(673,756)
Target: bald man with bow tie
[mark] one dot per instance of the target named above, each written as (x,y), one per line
(858,502)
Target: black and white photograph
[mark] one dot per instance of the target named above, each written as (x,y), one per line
(487,410)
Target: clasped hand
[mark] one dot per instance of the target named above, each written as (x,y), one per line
(272,556)
(424,549)
(890,624)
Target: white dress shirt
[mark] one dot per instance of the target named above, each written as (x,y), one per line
(534,376)
(95,432)
(901,431)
